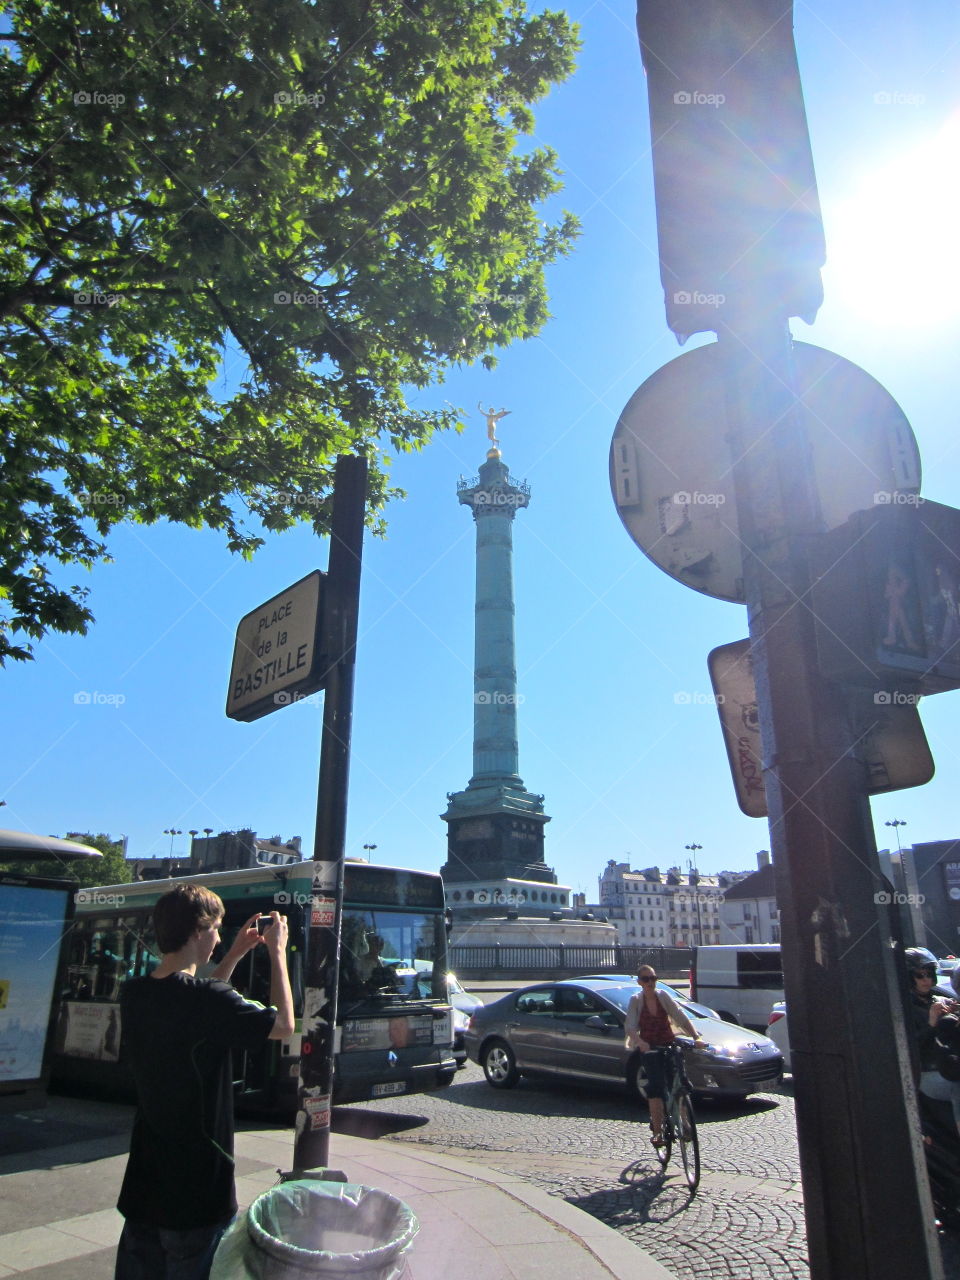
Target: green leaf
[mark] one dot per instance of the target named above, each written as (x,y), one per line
(232,242)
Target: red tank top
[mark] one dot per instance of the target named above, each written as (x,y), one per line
(655,1028)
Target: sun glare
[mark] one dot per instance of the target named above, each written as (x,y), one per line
(893,253)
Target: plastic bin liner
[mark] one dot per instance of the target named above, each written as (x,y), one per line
(311,1228)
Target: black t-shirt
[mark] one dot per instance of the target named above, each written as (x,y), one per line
(177,1033)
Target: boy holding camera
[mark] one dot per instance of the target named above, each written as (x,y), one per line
(178,1030)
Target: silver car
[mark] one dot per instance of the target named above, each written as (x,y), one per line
(462,1001)
(573,1029)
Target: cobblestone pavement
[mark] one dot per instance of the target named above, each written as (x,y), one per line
(590,1148)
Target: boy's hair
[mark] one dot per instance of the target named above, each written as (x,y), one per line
(179,913)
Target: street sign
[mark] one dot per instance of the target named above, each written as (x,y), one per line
(887,728)
(277,658)
(893,744)
(672,478)
(735,694)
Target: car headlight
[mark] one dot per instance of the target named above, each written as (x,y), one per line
(718,1050)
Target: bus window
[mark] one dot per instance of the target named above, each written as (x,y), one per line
(386,952)
(148,953)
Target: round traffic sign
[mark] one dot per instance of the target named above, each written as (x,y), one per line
(672,475)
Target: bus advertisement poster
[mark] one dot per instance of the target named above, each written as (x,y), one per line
(386,1033)
(90,1031)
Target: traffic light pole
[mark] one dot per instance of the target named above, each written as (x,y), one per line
(866,1199)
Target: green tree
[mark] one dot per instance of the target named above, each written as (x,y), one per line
(110,869)
(234,231)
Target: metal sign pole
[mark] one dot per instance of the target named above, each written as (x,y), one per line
(741,246)
(856,1114)
(318,1044)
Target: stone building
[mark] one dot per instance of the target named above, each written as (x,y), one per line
(666,909)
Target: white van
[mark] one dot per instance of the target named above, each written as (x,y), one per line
(740,980)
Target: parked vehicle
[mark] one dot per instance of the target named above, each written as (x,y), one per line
(778,1030)
(463,1006)
(459,998)
(739,980)
(574,1029)
(461,1021)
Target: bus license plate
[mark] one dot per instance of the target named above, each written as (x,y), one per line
(382,1090)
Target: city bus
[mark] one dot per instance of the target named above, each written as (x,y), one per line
(394,1024)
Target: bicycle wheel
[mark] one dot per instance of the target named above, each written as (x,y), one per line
(688,1143)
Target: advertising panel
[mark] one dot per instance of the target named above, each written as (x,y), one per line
(31,930)
(387,1033)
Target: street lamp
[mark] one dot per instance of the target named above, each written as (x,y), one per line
(369,848)
(171,832)
(696,897)
(896,823)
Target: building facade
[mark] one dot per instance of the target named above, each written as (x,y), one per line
(749,911)
(227,851)
(665,909)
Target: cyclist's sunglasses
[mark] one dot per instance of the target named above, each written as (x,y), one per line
(927,971)
(649,978)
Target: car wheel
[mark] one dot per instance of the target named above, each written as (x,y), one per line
(635,1078)
(500,1065)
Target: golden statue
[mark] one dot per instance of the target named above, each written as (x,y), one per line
(493,417)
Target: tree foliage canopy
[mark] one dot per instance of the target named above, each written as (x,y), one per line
(234,231)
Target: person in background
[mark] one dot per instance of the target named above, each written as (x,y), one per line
(651,1016)
(371,970)
(928,1010)
(178,1030)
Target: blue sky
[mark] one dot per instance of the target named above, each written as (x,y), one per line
(616,724)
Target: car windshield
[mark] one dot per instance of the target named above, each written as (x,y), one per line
(620,996)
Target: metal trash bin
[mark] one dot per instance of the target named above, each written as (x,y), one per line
(311,1228)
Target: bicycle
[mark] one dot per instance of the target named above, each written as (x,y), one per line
(679,1123)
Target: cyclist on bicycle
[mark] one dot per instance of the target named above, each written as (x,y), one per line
(651,1016)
